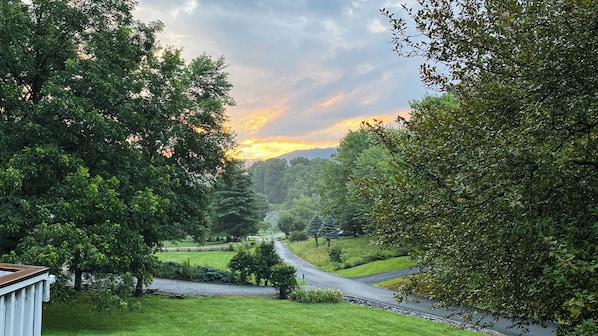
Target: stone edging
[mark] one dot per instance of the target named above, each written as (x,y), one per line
(371,304)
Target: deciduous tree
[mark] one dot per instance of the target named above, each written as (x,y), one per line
(104,139)
(499,179)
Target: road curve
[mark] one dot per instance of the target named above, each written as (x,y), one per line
(320,279)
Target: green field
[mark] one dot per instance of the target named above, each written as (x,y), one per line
(217,259)
(354,250)
(234,316)
(375,267)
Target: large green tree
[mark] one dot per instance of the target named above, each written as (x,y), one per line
(499,179)
(234,204)
(339,196)
(108,145)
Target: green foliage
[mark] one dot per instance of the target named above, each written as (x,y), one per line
(319,295)
(329,230)
(287,222)
(268,179)
(358,155)
(297,236)
(335,254)
(242,265)
(258,263)
(188,272)
(234,205)
(265,257)
(498,180)
(313,228)
(283,279)
(101,136)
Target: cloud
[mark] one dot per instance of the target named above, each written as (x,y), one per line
(376,26)
(189,6)
(299,68)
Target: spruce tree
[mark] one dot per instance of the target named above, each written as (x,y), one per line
(328,229)
(314,226)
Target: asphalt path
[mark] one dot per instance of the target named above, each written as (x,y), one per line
(350,287)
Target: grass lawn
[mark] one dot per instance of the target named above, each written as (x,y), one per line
(375,267)
(354,249)
(393,284)
(234,316)
(217,259)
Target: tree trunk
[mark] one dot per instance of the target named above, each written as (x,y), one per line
(78,279)
(139,287)
(316,240)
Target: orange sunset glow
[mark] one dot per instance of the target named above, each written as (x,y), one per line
(254,148)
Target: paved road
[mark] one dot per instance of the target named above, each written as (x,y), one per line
(320,279)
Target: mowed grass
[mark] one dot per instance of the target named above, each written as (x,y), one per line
(234,316)
(216,259)
(375,267)
(354,250)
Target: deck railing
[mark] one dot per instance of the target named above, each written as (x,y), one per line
(22,291)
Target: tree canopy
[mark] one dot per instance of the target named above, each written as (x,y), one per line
(109,143)
(498,179)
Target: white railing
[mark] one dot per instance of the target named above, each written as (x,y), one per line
(22,291)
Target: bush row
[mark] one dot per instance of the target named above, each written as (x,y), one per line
(316,295)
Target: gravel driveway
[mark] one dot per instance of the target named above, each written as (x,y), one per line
(189,288)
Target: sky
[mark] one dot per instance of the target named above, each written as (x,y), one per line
(304,72)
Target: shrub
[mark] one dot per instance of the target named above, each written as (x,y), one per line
(335,254)
(296,236)
(242,265)
(283,279)
(211,274)
(265,257)
(169,270)
(316,295)
(186,271)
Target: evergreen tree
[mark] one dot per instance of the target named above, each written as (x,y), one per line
(314,226)
(329,230)
(234,206)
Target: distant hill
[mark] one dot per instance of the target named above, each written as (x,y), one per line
(310,154)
